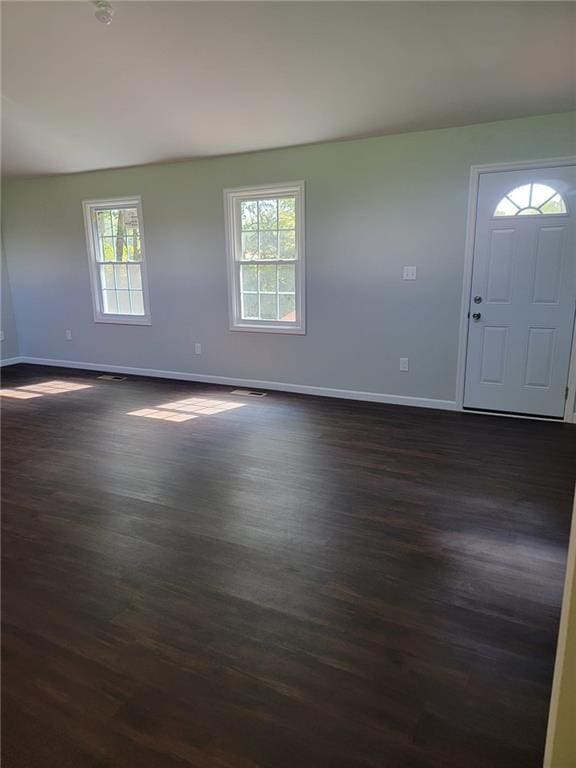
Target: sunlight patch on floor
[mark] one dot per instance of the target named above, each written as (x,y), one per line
(153,413)
(201,405)
(54,387)
(184,410)
(18,394)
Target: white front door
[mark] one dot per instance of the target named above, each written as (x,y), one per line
(522,301)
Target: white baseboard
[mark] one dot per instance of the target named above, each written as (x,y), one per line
(11,361)
(302,389)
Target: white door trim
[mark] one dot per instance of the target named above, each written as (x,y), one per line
(562,651)
(475,172)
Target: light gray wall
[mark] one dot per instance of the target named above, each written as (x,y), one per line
(372,206)
(8,347)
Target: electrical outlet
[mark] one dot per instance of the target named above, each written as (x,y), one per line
(68,334)
(409,273)
(403,363)
(197,349)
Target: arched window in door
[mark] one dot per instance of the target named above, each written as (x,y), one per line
(531,200)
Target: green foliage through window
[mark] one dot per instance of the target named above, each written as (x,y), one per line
(118,256)
(531,200)
(268,291)
(268,229)
(118,235)
(265,227)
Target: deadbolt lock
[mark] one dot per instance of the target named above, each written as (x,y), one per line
(477,299)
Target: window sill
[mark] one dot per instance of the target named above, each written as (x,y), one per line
(123,319)
(298,331)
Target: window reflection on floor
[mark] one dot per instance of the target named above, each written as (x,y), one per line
(54,387)
(18,394)
(153,413)
(177,410)
(201,405)
(184,410)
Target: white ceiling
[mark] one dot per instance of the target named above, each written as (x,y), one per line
(170,80)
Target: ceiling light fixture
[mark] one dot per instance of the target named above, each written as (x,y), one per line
(104,11)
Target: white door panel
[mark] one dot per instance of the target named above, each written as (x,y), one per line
(548,268)
(499,277)
(523,295)
(494,351)
(539,356)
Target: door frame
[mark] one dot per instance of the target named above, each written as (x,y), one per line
(476,172)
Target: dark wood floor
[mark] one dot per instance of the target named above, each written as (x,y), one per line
(296,583)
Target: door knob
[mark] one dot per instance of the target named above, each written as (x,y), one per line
(476,316)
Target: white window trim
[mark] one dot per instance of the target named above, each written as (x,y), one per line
(134,201)
(233,243)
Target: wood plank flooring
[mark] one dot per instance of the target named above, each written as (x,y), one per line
(297,582)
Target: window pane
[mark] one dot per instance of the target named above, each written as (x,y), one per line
(114,217)
(110,305)
(267,214)
(269,245)
(541,193)
(287,244)
(249,215)
(121,276)
(124,221)
(120,249)
(130,247)
(250,245)
(119,229)
(267,278)
(106,251)
(107,276)
(124,302)
(118,253)
(104,223)
(134,248)
(287,213)
(521,196)
(555,205)
(263,239)
(268,308)
(531,200)
(137,299)
(506,208)
(249,277)
(134,276)
(113,249)
(249,306)
(131,223)
(287,308)
(287,278)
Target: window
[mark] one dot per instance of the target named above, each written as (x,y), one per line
(117,265)
(531,200)
(265,238)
